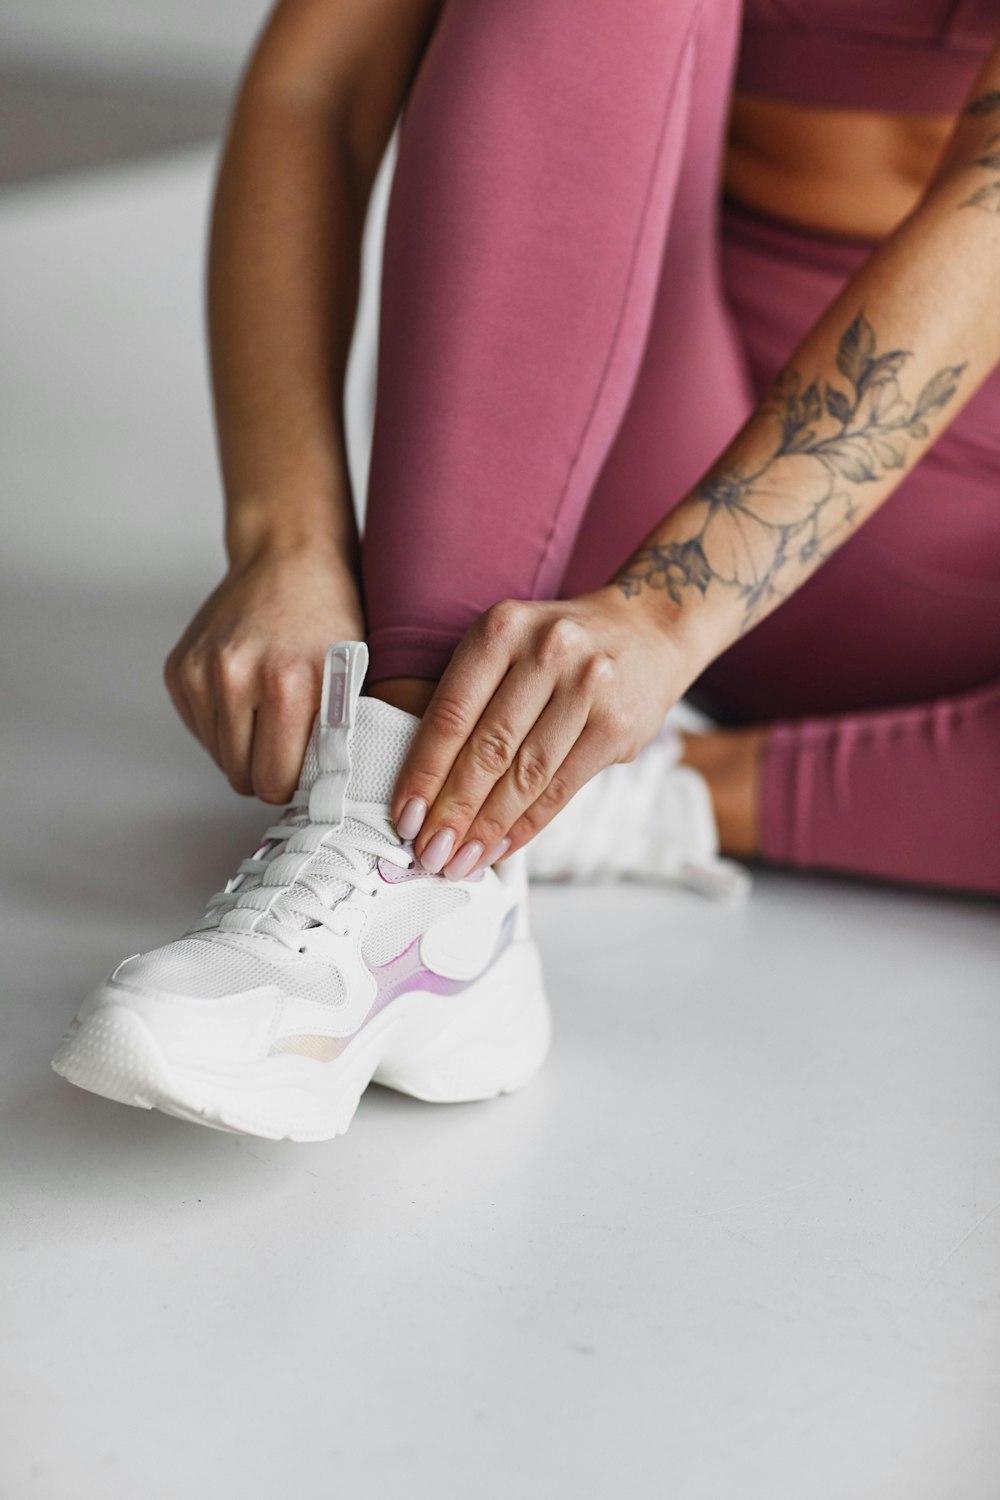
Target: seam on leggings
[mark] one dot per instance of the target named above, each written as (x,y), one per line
(688,43)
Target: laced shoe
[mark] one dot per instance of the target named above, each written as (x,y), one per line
(649,820)
(330,959)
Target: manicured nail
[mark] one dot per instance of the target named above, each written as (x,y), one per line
(411,819)
(438,851)
(497,852)
(467,857)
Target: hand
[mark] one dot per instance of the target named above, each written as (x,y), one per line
(537,699)
(246,675)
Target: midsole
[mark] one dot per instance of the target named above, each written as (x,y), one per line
(411,1022)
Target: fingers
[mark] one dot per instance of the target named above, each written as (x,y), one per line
(473,779)
(282,726)
(178,696)
(245,676)
(547,770)
(469,682)
(188,680)
(499,744)
(588,756)
(237,723)
(253,718)
(503,748)
(233,693)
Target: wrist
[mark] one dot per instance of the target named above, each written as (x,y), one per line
(685,630)
(257,530)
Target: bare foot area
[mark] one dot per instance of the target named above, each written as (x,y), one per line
(730,761)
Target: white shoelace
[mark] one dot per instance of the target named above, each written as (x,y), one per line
(310,896)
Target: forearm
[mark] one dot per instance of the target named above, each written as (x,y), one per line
(282,297)
(866,392)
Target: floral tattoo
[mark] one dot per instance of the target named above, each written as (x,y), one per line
(800,503)
(988,196)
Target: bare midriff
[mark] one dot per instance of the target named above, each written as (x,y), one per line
(842,171)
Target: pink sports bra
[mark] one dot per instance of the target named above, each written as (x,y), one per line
(905,56)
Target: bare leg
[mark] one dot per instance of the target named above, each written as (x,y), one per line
(730,761)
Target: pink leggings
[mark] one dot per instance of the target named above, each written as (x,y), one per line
(569,338)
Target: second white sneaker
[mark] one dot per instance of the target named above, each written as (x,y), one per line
(330,959)
(649,820)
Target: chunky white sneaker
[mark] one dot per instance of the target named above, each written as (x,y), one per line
(650,820)
(330,959)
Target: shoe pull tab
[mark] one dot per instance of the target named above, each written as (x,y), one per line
(343,674)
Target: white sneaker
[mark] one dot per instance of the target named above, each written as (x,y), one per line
(330,959)
(650,819)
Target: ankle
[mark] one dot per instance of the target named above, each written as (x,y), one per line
(411,694)
(731,761)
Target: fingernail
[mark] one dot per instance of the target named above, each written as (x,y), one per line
(497,852)
(466,858)
(438,851)
(411,819)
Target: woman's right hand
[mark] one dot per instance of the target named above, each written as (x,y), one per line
(246,675)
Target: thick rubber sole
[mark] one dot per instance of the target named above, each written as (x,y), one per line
(490,1039)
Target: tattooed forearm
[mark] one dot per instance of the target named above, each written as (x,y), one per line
(987,195)
(760,531)
(985,104)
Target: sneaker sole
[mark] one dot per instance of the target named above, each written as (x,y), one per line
(490,1039)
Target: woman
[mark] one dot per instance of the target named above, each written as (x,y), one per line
(610,465)
(558,369)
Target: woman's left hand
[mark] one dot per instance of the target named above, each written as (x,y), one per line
(537,699)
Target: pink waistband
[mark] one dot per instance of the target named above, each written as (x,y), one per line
(836,69)
(793,243)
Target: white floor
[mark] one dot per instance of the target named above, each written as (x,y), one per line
(742,1238)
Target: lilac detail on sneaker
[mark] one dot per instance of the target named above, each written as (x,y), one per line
(396,875)
(336,709)
(401,974)
(406,972)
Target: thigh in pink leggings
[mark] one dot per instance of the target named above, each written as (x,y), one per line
(562,353)
(552,219)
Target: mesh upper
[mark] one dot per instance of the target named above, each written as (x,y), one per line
(395,926)
(208,969)
(379,740)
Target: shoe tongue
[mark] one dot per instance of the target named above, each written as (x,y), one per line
(380,739)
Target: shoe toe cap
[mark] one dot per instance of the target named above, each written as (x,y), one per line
(195,1029)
